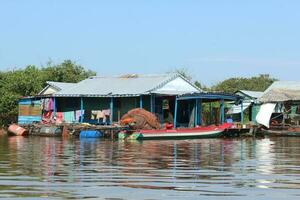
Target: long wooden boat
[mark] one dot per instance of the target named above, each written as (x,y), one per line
(283,133)
(178,133)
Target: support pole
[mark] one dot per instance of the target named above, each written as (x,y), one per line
(151,103)
(154,103)
(81,109)
(200,112)
(175,112)
(222,111)
(162,110)
(211,113)
(111,109)
(54,107)
(196,112)
(141,102)
(242,113)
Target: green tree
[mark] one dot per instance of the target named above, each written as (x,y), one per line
(67,71)
(30,81)
(256,83)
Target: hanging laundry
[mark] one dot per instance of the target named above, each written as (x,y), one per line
(78,114)
(100,114)
(59,117)
(47,117)
(69,116)
(94,114)
(106,112)
(51,104)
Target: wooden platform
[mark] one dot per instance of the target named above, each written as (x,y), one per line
(109,131)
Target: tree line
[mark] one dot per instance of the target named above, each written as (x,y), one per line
(29,81)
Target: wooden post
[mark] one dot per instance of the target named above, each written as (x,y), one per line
(54,107)
(175,112)
(111,109)
(154,103)
(242,113)
(196,113)
(162,110)
(211,113)
(141,102)
(222,111)
(200,112)
(81,109)
(151,103)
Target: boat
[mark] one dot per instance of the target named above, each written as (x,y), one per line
(212,131)
(47,131)
(283,131)
(197,131)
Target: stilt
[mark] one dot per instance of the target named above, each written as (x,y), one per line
(175,113)
(81,109)
(111,110)
(141,102)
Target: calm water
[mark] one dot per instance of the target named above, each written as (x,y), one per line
(43,168)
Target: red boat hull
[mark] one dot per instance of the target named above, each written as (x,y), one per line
(179,133)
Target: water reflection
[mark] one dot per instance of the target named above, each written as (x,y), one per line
(37,167)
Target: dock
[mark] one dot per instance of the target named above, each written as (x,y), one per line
(73,130)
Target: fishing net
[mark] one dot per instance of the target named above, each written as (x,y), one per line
(140,119)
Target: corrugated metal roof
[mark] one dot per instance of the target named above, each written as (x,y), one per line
(285,85)
(60,85)
(253,94)
(128,85)
(281,91)
(56,86)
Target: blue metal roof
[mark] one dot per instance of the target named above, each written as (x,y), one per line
(128,85)
(60,85)
(251,94)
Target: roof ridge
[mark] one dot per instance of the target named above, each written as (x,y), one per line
(134,74)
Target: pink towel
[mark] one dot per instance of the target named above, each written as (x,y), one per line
(59,117)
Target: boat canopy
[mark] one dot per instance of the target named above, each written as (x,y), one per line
(202,97)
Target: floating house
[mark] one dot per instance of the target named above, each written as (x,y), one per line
(280,104)
(250,105)
(30,108)
(103,100)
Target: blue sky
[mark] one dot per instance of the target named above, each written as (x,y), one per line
(213,39)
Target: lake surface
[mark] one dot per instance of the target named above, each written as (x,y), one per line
(44,168)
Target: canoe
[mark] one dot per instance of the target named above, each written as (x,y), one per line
(178,133)
(282,133)
(49,131)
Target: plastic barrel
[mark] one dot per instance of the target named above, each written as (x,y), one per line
(90,134)
(17,130)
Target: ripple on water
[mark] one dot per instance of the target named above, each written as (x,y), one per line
(212,168)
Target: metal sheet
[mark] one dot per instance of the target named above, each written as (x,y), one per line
(125,86)
(235,109)
(265,112)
